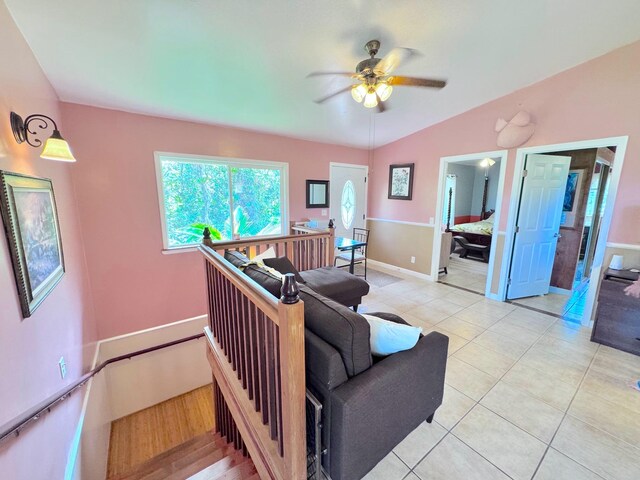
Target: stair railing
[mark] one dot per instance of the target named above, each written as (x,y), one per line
(255,346)
(13,428)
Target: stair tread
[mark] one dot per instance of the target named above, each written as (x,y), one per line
(193,468)
(201,445)
(206,457)
(239,472)
(217,469)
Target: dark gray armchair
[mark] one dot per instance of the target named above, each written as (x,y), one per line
(369,404)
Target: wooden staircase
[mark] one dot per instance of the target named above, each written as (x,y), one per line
(206,457)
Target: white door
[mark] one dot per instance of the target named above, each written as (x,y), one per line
(538,225)
(348,197)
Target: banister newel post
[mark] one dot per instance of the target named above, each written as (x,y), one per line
(289,290)
(206,237)
(331,249)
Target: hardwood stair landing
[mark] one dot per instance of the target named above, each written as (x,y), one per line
(205,457)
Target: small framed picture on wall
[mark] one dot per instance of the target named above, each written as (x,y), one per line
(571,198)
(401,181)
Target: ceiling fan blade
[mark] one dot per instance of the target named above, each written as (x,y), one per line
(392,59)
(416,82)
(342,90)
(319,74)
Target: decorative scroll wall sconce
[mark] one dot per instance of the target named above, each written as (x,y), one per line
(55,148)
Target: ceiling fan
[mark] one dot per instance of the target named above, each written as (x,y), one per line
(375,82)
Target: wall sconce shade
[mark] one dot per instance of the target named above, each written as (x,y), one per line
(55,148)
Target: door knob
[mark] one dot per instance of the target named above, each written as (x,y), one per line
(557,235)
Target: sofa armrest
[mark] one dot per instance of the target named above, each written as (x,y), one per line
(375,410)
(324,366)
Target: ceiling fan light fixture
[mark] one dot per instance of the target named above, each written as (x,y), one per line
(370,99)
(358,92)
(384,90)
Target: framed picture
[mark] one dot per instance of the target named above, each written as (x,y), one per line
(571,198)
(30,221)
(401,181)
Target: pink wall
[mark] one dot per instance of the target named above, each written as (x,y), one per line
(63,325)
(134,285)
(600,98)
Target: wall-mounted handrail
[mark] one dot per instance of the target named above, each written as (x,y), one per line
(16,425)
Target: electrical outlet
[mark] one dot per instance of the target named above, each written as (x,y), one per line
(324,212)
(413,259)
(63,367)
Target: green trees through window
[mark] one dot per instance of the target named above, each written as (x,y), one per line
(198,194)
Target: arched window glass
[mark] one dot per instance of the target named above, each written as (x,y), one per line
(348,204)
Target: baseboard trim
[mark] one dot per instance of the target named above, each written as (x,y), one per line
(394,268)
(149,330)
(560,291)
(625,246)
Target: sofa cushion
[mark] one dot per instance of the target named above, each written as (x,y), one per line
(284,265)
(267,254)
(340,327)
(237,259)
(269,282)
(336,283)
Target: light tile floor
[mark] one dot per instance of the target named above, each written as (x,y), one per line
(466,272)
(472,275)
(527,395)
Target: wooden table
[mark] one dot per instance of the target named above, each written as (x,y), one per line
(345,244)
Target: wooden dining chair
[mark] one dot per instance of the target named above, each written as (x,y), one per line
(360,254)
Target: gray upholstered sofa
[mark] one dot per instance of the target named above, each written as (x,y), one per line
(369,404)
(331,282)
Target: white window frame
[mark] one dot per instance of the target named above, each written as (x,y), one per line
(209,160)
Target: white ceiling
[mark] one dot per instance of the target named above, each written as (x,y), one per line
(244,62)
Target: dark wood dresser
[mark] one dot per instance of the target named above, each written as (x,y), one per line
(617,322)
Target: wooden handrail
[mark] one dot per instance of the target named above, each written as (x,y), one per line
(255,346)
(15,426)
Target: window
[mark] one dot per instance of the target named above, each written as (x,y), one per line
(348,204)
(234,198)
(449,201)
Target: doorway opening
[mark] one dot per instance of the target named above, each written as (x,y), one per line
(557,230)
(467,219)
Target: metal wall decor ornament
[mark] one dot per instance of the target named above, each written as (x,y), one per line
(31,225)
(401,181)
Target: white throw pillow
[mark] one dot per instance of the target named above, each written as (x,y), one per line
(389,337)
(268,253)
